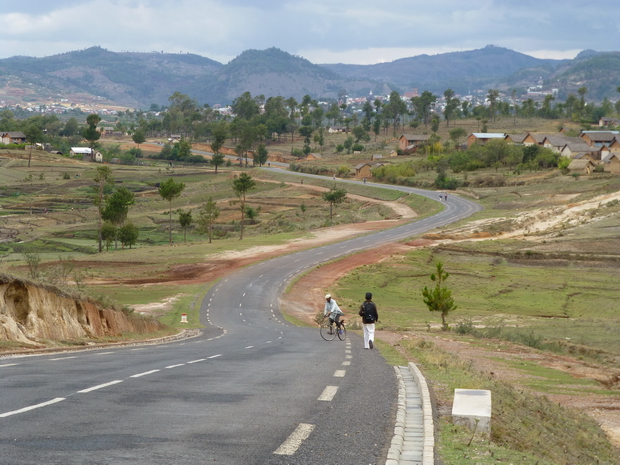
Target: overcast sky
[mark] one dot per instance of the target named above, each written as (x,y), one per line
(323,31)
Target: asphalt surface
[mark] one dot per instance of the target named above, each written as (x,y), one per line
(252,390)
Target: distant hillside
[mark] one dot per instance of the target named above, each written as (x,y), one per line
(598,72)
(273,72)
(130,79)
(461,71)
(137,80)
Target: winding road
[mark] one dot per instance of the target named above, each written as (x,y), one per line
(252,389)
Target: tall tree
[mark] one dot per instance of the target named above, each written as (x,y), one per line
(492,97)
(334,196)
(90,132)
(33,134)
(261,155)
(376,126)
(395,109)
(71,128)
(128,234)
(241,186)
(423,105)
(582,91)
(109,233)
(183,111)
(103,177)
(452,103)
(138,137)
(170,190)
(333,113)
(513,94)
(439,298)
(246,107)
(207,214)
(185,220)
(219,135)
(117,207)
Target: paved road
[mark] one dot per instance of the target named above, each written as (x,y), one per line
(252,390)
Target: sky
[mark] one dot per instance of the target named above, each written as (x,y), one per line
(322,31)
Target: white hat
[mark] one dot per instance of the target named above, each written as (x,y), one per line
(328,296)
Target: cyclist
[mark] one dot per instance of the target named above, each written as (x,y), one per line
(332,310)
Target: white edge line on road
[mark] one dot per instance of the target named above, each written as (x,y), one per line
(328,393)
(32,407)
(215,356)
(63,358)
(94,388)
(9,365)
(292,443)
(144,374)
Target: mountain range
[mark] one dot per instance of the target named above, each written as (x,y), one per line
(137,80)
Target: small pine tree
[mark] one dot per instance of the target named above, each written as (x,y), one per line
(439,298)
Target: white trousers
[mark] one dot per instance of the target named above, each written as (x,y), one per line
(369,334)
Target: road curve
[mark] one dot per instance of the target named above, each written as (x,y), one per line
(252,390)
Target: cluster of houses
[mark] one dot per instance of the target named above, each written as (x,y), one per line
(586,151)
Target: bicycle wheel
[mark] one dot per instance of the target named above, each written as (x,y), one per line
(328,332)
(342,333)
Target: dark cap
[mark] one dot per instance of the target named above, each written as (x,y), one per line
(368,296)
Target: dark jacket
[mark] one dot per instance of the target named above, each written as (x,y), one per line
(368,312)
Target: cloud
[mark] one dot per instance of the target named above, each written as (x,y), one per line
(324,31)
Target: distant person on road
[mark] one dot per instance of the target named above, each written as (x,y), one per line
(332,310)
(368,312)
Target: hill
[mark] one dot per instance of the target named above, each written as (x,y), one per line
(273,72)
(461,71)
(130,79)
(137,80)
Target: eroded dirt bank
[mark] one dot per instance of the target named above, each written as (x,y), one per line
(34,314)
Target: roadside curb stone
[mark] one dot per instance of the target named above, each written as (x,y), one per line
(413,442)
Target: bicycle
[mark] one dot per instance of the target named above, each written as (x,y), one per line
(329,331)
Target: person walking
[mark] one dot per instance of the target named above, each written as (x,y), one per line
(369,314)
(332,310)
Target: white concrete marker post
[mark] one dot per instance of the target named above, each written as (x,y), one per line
(184,318)
(472,408)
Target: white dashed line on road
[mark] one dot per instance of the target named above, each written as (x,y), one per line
(215,356)
(340,373)
(292,443)
(62,358)
(94,388)
(32,407)
(328,393)
(9,365)
(144,374)
(174,366)
(196,361)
